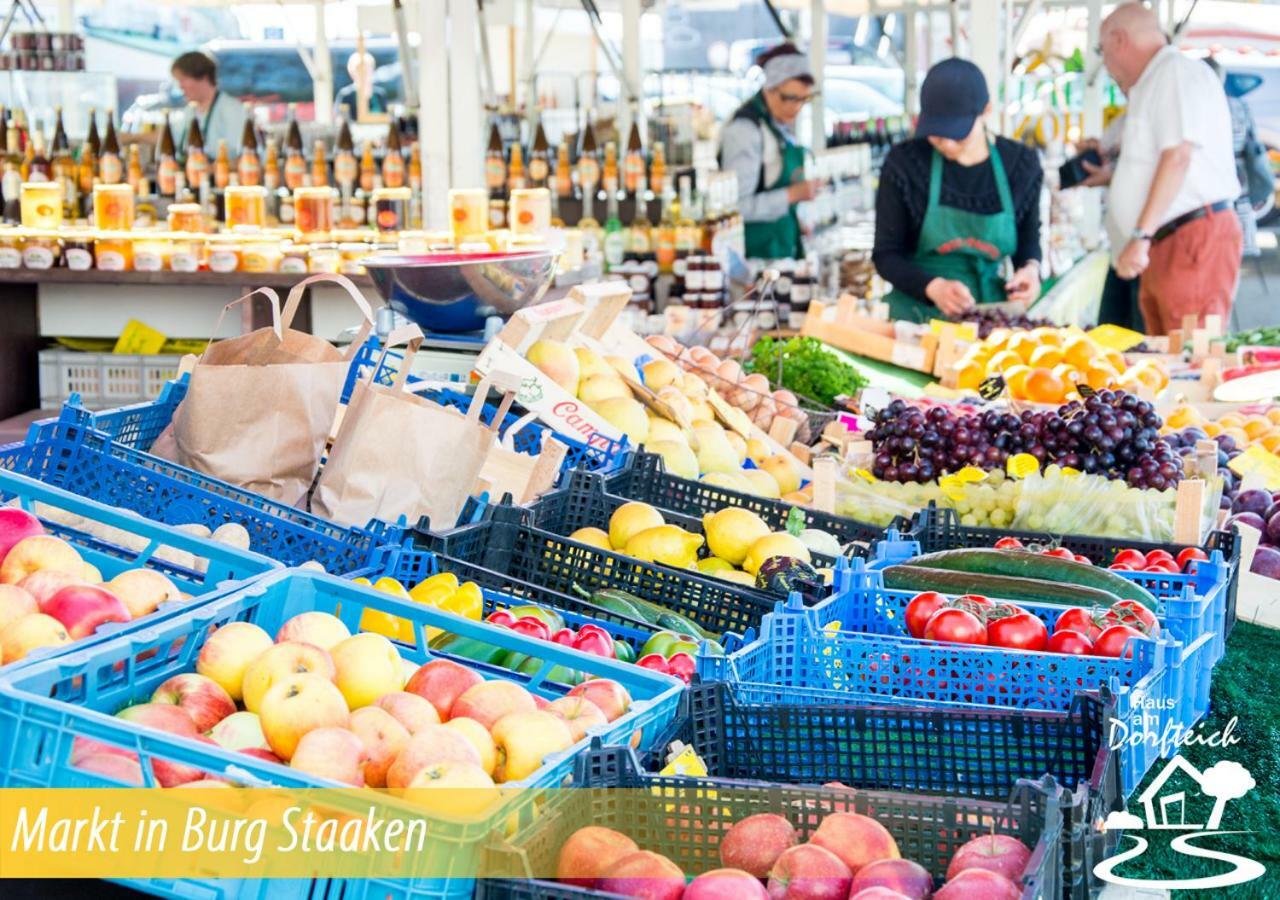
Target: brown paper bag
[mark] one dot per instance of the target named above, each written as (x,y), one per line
(398,454)
(259,407)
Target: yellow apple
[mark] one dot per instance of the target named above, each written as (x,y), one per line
(297,705)
(279,662)
(524,740)
(320,628)
(557,361)
(368,667)
(480,738)
(228,653)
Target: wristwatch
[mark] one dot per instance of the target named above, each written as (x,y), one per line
(1140,235)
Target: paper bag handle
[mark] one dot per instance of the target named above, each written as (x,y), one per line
(294,299)
(409,335)
(477,405)
(272,297)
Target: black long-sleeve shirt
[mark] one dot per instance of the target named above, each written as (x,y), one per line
(903,196)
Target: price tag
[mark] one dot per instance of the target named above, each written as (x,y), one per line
(865,475)
(139,338)
(953,485)
(1113,337)
(1020,465)
(1256,459)
(686,762)
(965,331)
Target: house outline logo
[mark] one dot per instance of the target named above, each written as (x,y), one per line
(1224,781)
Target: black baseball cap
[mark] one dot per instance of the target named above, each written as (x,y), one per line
(953,95)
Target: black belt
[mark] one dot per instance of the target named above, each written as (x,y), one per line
(1200,212)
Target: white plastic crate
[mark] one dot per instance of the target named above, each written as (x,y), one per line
(103,379)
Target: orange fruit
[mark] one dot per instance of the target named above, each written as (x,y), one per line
(1067,374)
(1023,344)
(1211,429)
(1149,376)
(1003,360)
(1271,443)
(1042,386)
(1078,351)
(1274,414)
(1016,378)
(1099,374)
(998,338)
(1046,356)
(1256,426)
(1116,358)
(1231,420)
(1045,336)
(970,376)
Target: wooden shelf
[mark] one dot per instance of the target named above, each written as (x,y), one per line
(176,279)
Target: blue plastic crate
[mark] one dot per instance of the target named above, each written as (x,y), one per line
(68,453)
(855,646)
(1188,606)
(51,702)
(152,546)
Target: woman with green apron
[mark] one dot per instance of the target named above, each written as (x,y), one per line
(953,206)
(759,146)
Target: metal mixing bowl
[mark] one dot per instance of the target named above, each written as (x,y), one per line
(452,292)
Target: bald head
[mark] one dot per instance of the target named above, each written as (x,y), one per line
(1130,37)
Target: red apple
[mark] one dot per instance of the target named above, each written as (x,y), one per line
(433,744)
(858,840)
(322,629)
(162,717)
(410,710)
(44,584)
(442,681)
(611,697)
(650,876)
(114,766)
(725,884)
(333,753)
(579,713)
(203,699)
(262,754)
(756,842)
(39,551)
(899,875)
(978,884)
(489,701)
(589,853)
(809,872)
(82,608)
(15,525)
(1003,854)
(171,774)
(278,662)
(383,739)
(877,893)
(229,651)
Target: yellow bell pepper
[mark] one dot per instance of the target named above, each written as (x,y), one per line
(383,623)
(430,585)
(467,601)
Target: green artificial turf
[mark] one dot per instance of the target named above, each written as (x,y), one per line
(1245,687)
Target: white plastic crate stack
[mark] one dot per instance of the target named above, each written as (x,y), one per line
(103,379)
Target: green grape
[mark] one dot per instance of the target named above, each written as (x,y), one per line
(1000,518)
(969,520)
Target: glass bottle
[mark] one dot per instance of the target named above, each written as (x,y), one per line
(110,166)
(393,161)
(166,163)
(197,168)
(495,166)
(249,165)
(633,164)
(515,169)
(64,168)
(609,178)
(658,170)
(39,168)
(319,166)
(539,159)
(564,172)
(295,164)
(222,166)
(588,164)
(133,171)
(368,169)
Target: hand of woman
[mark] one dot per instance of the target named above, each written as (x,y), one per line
(951,297)
(1024,286)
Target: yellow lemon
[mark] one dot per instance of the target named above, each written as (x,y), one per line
(714,565)
(630,519)
(731,532)
(780,543)
(668,544)
(592,537)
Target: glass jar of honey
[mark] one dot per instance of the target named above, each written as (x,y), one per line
(324,258)
(112,252)
(41,203)
(225,253)
(188,252)
(469,214)
(293,259)
(313,211)
(40,249)
(186,217)
(246,205)
(151,252)
(413,243)
(77,249)
(260,254)
(391,209)
(353,255)
(10,248)
(113,207)
(529,211)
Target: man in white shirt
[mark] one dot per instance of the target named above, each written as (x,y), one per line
(1170,208)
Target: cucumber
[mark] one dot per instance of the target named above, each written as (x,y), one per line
(1001,587)
(469,648)
(1025,564)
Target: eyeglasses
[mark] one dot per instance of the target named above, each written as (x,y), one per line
(795,99)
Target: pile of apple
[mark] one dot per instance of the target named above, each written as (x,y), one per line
(348,708)
(49,596)
(849,856)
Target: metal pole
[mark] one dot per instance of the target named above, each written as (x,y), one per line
(408,82)
(911,59)
(1091,126)
(953,11)
(1006,65)
(323,75)
(529,52)
(818,63)
(631,68)
(466,112)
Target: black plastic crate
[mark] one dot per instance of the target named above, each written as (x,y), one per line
(508,546)
(644,477)
(937,528)
(974,753)
(582,501)
(683,818)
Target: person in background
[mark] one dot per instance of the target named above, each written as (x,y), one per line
(221,116)
(760,147)
(1174,186)
(953,205)
(1241,127)
(360,69)
(1119,302)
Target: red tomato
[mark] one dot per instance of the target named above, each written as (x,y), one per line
(1020,631)
(1059,552)
(1121,567)
(956,626)
(1071,642)
(1133,558)
(1112,641)
(1008,543)
(974,598)
(1134,614)
(1080,620)
(975,604)
(1167,566)
(1191,554)
(921,609)
(1153,555)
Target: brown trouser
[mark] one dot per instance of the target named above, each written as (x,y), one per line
(1193,271)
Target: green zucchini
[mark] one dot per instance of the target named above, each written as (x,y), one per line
(996,587)
(1025,564)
